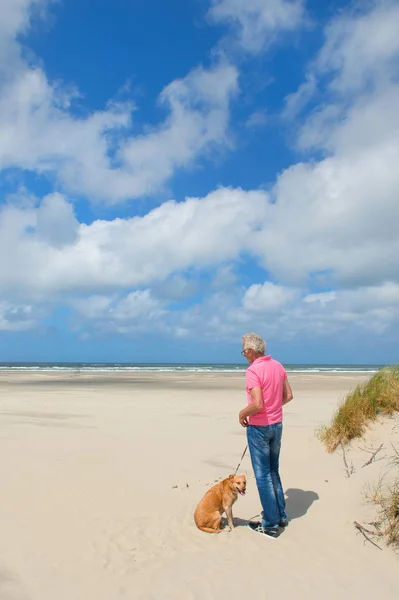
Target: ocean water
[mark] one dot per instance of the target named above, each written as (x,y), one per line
(175,367)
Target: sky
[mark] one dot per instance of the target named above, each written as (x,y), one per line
(176,174)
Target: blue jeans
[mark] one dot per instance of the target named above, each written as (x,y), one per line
(264,446)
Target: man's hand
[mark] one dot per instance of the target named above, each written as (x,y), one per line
(287,392)
(243,418)
(253,408)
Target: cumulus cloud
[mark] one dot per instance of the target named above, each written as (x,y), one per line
(138,311)
(198,121)
(56,222)
(123,253)
(269,297)
(335,221)
(137,305)
(328,224)
(356,77)
(362,312)
(16,17)
(100,155)
(18,317)
(257,119)
(258,22)
(297,101)
(365,311)
(361,47)
(339,214)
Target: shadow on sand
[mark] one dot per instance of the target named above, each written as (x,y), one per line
(240,522)
(298,502)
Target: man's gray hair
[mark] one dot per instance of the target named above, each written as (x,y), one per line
(253,341)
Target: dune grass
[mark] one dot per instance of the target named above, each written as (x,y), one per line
(380,395)
(386,497)
(361,407)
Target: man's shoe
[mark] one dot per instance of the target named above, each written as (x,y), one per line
(258,528)
(283,524)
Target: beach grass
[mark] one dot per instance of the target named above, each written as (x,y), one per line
(386,497)
(380,395)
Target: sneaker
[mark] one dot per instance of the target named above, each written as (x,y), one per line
(258,528)
(283,524)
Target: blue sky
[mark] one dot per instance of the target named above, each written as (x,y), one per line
(176,174)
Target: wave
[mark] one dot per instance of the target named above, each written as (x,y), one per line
(173,368)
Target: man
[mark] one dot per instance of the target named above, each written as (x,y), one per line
(267,390)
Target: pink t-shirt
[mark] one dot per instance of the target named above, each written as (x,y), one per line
(269,375)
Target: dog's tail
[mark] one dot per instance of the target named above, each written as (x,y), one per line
(209,530)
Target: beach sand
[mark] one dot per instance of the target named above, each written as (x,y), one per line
(101,474)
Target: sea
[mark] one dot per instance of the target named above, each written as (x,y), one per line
(175,367)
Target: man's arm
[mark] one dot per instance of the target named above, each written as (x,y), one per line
(253,408)
(287,392)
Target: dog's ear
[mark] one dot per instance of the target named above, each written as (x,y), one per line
(231,477)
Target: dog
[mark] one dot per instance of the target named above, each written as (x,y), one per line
(218,500)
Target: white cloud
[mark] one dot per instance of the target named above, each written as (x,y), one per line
(359,55)
(224,278)
(322,297)
(122,263)
(92,307)
(124,253)
(258,21)
(332,222)
(56,222)
(176,288)
(137,305)
(268,297)
(18,317)
(356,73)
(15,17)
(138,311)
(372,310)
(295,102)
(227,315)
(98,155)
(367,309)
(336,219)
(361,48)
(199,115)
(258,118)
(279,313)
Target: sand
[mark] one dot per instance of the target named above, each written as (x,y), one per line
(101,474)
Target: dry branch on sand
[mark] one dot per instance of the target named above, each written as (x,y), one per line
(364,533)
(349,470)
(373,455)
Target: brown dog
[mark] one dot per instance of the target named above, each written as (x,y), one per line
(219,499)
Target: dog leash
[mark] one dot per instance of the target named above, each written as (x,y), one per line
(239,464)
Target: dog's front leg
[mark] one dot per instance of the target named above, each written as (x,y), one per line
(229,514)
